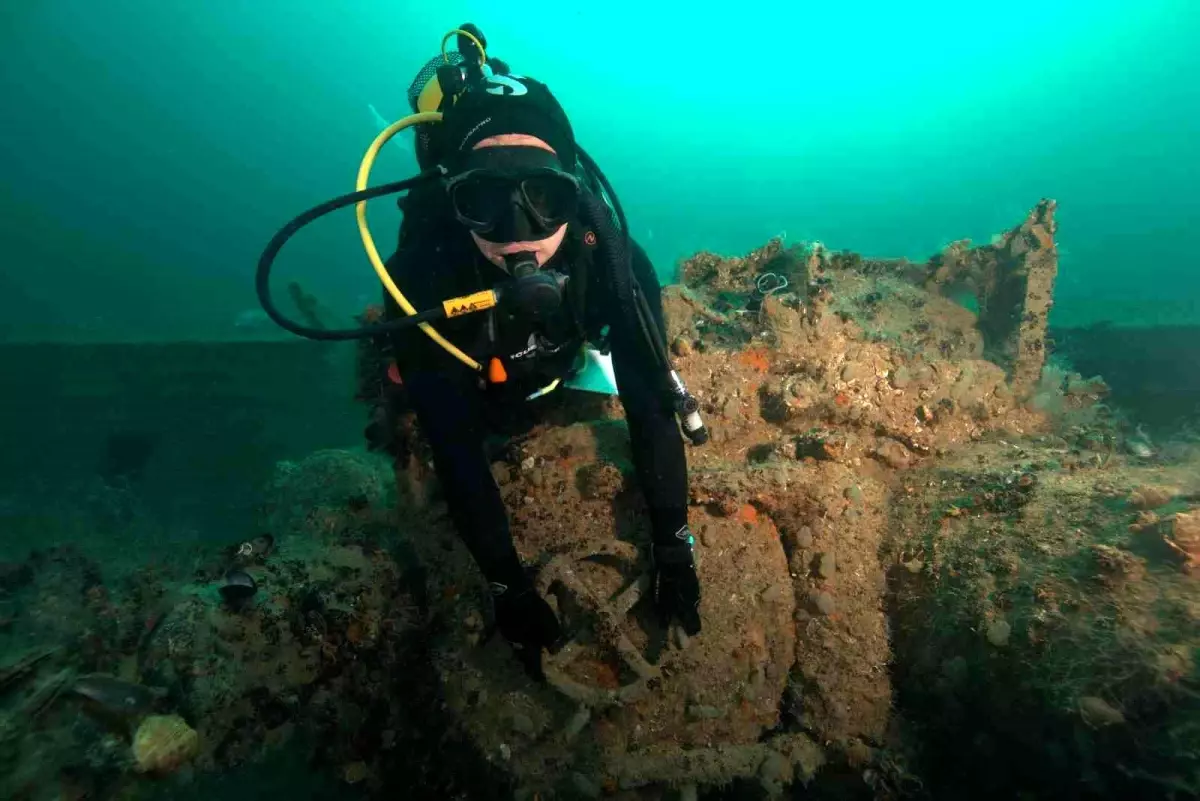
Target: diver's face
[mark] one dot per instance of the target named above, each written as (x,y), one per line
(542,249)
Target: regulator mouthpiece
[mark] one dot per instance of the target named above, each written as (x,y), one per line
(534,293)
(520,265)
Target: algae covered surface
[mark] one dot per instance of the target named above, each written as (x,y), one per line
(1043,611)
(935,564)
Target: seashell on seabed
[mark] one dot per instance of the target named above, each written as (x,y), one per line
(164,743)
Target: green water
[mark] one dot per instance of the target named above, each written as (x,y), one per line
(150,149)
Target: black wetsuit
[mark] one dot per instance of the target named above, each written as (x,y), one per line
(436,260)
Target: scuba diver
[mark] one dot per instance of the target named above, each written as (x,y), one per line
(514,241)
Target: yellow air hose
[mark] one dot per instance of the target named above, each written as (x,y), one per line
(360,212)
(360,209)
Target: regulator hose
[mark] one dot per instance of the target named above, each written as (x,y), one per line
(617,255)
(262,282)
(613,254)
(629,294)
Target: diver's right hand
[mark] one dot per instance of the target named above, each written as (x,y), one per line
(526,620)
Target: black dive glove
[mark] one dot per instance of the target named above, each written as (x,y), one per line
(525,619)
(676,586)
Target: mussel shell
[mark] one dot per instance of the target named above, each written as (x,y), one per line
(238,587)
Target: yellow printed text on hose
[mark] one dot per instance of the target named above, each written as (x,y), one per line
(468,304)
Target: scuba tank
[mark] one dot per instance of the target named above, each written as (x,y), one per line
(447,76)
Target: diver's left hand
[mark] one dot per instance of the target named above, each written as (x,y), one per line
(677,587)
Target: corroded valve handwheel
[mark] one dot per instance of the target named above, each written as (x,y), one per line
(609,616)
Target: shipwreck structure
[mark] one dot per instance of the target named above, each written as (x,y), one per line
(1013,280)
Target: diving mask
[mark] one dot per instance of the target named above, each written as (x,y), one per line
(514,205)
